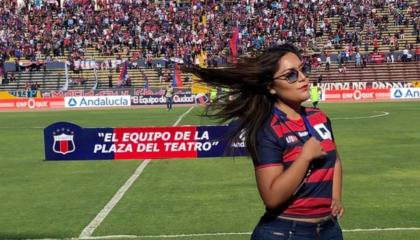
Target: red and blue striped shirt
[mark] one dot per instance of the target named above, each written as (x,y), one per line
(279,143)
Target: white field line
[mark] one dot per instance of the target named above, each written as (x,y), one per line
(382,229)
(381,114)
(361,230)
(91,227)
(238,233)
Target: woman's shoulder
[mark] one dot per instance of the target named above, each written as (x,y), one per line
(314,111)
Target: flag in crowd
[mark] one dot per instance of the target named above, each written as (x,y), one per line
(233,43)
(176,77)
(123,75)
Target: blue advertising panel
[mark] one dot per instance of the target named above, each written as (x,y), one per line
(68,141)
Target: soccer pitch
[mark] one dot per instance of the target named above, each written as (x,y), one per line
(379,144)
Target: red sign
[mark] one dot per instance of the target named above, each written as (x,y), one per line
(162,142)
(357,94)
(31,103)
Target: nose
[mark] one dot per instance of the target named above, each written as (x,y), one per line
(303,77)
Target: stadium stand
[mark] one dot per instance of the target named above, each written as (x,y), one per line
(148,32)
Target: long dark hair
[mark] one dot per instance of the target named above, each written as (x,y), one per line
(248,98)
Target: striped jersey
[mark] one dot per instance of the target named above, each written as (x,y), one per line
(280,141)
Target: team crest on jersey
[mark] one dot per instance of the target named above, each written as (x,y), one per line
(63,141)
(323,131)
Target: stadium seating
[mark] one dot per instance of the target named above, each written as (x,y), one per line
(86,79)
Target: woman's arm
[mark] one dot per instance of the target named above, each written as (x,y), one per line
(337,207)
(276,186)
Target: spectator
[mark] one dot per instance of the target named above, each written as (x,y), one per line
(110,84)
(364,61)
(115,27)
(405,55)
(327,61)
(418,53)
(2,74)
(358,60)
(169,93)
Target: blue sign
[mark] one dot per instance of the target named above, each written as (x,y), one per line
(67,141)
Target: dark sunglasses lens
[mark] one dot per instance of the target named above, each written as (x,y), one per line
(306,70)
(292,76)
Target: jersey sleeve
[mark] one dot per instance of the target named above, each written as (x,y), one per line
(269,149)
(329,126)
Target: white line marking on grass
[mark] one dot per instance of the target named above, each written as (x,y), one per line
(218,234)
(170,236)
(91,227)
(240,233)
(182,116)
(382,114)
(381,229)
(22,127)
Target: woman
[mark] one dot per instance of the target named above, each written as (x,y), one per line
(297,168)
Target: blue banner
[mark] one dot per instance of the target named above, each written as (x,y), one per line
(68,141)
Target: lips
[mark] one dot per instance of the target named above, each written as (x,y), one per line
(304,87)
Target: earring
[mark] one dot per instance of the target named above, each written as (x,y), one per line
(272,91)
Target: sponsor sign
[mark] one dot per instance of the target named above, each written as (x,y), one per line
(139,96)
(114,92)
(97,101)
(82,93)
(364,85)
(405,93)
(67,141)
(356,94)
(177,99)
(31,103)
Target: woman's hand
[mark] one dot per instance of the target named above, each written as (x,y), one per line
(312,149)
(337,208)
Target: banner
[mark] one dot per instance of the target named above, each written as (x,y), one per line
(31,103)
(405,93)
(364,85)
(32,64)
(86,64)
(91,64)
(6,95)
(198,87)
(356,94)
(416,84)
(113,92)
(67,141)
(176,99)
(97,101)
(21,93)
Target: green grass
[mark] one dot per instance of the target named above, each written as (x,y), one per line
(42,199)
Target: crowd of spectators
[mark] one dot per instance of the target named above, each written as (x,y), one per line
(122,28)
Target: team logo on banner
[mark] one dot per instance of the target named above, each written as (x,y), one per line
(63,141)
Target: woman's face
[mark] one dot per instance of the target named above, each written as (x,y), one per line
(290,84)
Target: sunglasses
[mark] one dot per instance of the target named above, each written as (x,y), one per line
(293,75)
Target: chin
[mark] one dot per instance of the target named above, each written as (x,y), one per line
(304,97)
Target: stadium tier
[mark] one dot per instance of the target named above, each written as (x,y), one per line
(151,35)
